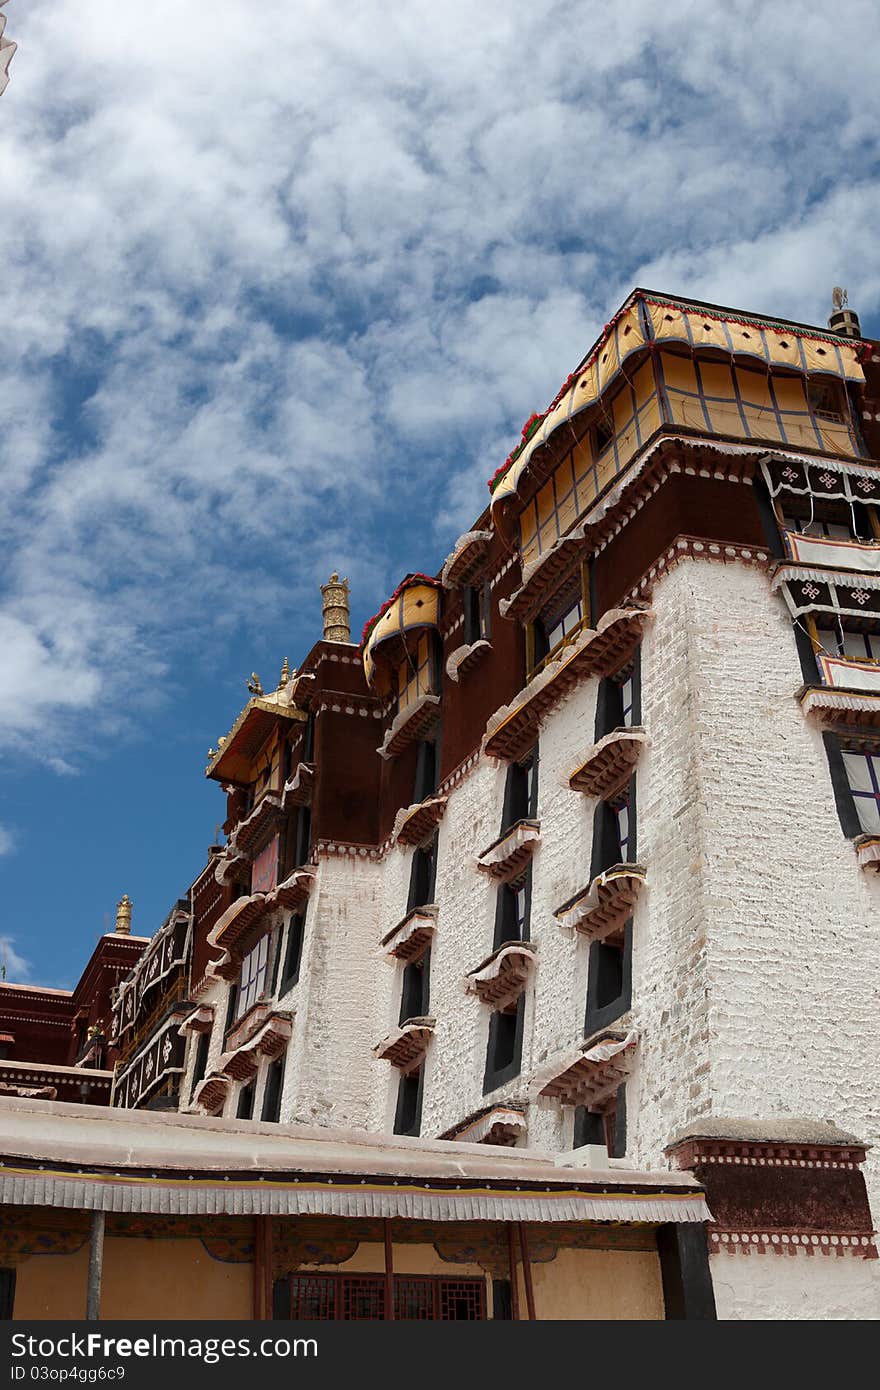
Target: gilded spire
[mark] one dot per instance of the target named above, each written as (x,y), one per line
(337,619)
(285,674)
(123,915)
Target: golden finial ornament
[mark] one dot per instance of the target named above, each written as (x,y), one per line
(336,608)
(255,685)
(285,674)
(123,915)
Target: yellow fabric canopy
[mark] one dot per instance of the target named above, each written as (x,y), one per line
(779,345)
(417,607)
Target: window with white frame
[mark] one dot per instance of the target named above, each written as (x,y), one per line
(564,624)
(622,813)
(863,775)
(252,981)
(627,701)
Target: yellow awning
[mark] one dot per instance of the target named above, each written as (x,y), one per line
(623,337)
(417,606)
(775,344)
(232,762)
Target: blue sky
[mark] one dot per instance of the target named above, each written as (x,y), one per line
(280,285)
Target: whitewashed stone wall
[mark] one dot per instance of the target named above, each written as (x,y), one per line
(329,1075)
(782,1288)
(756,968)
(756,961)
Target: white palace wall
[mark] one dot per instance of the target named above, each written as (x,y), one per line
(756,968)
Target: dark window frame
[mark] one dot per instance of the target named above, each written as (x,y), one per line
(422,876)
(606,849)
(605,1124)
(244,1101)
(293,947)
(200,1060)
(415,988)
(427,764)
(520,790)
(497,1073)
(847,812)
(508,927)
(601,1011)
(408,1107)
(270,1108)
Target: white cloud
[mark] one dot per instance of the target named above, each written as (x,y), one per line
(15,966)
(260,264)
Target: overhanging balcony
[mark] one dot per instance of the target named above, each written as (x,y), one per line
(298,788)
(466,657)
(264,817)
(240,920)
(263,1033)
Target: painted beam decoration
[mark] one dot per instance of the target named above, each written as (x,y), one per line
(160,1058)
(167,952)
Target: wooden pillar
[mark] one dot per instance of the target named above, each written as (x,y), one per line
(389,1271)
(511,1258)
(684,1268)
(262,1288)
(527,1271)
(96,1262)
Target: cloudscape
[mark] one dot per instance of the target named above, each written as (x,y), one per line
(281,284)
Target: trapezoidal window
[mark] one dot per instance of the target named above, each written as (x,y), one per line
(271,1108)
(408,1112)
(296,929)
(422,876)
(559,622)
(504,1049)
(609,980)
(614,831)
(244,1109)
(200,1062)
(426,770)
(604,1124)
(415,994)
(520,791)
(619,699)
(475,602)
(512,910)
(252,980)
